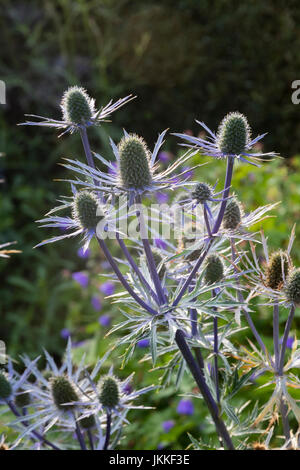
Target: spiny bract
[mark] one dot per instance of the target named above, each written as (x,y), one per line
(274,275)
(109,394)
(63,392)
(85,209)
(232,215)
(5,387)
(202,192)
(134,163)
(233,134)
(293,287)
(76,105)
(214,271)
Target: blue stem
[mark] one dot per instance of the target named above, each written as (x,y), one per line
(229,171)
(208,398)
(150,259)
(135,267)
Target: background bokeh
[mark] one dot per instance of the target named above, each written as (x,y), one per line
(184,59)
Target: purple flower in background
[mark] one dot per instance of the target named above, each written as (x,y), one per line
(81,278)
(168,425)
(83,254)
(185,407)
(189,173)
(289,343)
(162,198)
(159,243)
(104,320)
(96,303)
(65,333)
(105,265)
(127,389)
(143,343)
(164,156)
(107,288)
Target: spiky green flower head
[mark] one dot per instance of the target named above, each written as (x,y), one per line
(278,263)
(22,399)
(233,134)
(202,193)
(293,287)
(109,391)
(233,214)
(85,209)
(134,168)
(88,422)
(63,392)
(5,387)
(187,241)
(77,106)
(214,270)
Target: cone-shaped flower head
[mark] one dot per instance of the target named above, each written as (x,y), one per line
(214,271)
(233,134)
(63,392)
(134,162)
(293,287)
(109,393)
(232,215)
(77,106)
(5,387)
(85,209)
(202,192)
(278,263)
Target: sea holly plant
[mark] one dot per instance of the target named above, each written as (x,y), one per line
(190,277)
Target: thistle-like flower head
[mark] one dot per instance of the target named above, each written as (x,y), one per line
(77,106)
(134,166)
(232,140)
(202,193)
(85,209)
(109,393)
(78,111)
(232,215)
(233,134)
(214,271)
(292,289)
(277,269)
(63,392)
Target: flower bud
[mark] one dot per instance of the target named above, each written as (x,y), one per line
(233,134)
(77,106)
(109,393)
(232,215)
(293,287)
(88,422)
(134,163)
(274,277)
(85,209)
(202,192)
(5,387)
(63,392)
(214,271)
